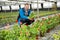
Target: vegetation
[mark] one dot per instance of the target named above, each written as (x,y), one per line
(29,32)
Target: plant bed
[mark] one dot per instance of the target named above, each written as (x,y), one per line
(30,32)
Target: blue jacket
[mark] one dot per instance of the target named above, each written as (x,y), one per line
(22,14)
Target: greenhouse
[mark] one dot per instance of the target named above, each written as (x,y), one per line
(29,19)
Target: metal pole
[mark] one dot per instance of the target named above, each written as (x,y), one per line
(37,9)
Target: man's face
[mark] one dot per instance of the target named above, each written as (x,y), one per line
(26,7)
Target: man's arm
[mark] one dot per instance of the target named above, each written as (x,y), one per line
(29,12)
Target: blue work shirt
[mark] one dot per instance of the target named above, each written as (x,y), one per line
(22,14)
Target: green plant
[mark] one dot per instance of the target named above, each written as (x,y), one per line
(29,32)
(56,36)
(43,29)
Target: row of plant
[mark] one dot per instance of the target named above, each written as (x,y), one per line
(5,21)
(5,16)
(32,31)
(15,14)
(9,17)
(11,14)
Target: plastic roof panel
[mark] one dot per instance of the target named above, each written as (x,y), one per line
(48,4)
(58,4)
(14,7)
(5,8)
(34,6)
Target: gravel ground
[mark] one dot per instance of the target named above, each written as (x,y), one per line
(48,36)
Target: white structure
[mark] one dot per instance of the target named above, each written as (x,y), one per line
(58,4)
(5,8)
(34,6)
(22,5)
(48,4)
(53,0)
(14,7)
(15,4)
(33,0)
(3,0)
(58,0)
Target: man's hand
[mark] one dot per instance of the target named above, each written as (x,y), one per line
(31,19)
(16,21)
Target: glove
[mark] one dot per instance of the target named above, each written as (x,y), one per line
(16,21)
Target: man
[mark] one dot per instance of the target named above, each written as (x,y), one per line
(24,15)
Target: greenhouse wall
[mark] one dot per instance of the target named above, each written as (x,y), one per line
(14,5)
